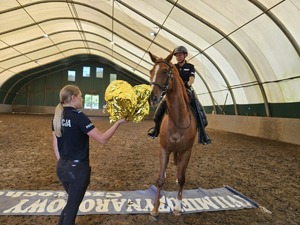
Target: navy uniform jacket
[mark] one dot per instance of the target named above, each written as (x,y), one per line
(74,142)
(186,71)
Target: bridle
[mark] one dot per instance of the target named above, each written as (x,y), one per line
(169,74)
(165,88)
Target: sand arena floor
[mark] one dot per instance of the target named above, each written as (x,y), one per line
(265,171)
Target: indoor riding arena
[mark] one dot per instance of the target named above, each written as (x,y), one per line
(264,170)
(247,75)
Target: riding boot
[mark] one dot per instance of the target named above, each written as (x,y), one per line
(158,116)
(201,113)
(201,119)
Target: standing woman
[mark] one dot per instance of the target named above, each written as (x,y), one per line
(71,131)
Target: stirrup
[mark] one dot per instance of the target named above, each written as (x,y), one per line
(151,133)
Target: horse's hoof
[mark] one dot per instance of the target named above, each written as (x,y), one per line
(177,213)
(153,218)
(154,215)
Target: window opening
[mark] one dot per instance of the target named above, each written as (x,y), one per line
(86,72)
(112,77)
(71,75)
(91,101)
(99,72)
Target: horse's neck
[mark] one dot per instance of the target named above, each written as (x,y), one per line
(177,105)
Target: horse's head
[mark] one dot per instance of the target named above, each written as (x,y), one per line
(161,77)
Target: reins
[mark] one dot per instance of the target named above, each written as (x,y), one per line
(165,88)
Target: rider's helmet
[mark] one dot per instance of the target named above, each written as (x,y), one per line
(180,49)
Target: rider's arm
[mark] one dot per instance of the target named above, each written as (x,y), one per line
(191,80)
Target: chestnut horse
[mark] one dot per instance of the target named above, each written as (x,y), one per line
(178,128)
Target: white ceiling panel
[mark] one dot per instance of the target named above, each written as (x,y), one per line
(244,52)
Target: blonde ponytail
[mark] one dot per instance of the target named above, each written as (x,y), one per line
(65,96)
(57,119)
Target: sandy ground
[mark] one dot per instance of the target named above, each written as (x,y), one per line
(265,171)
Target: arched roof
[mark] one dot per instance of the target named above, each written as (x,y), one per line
(244,51)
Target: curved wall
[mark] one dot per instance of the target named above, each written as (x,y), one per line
(277,129)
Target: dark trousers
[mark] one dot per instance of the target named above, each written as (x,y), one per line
(75,178)
(198,111)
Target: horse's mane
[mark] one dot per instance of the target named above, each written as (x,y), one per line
(178,78)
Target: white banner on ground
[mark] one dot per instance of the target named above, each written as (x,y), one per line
(28,202)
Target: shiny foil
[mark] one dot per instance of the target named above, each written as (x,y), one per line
(125,101)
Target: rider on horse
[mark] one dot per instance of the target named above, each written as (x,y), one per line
(187,74)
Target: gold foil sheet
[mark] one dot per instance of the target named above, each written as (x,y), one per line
(125,101)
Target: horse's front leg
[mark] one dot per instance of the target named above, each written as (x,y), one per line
(181,169)
(164,159)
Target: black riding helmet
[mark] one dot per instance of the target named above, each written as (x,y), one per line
(180,49)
